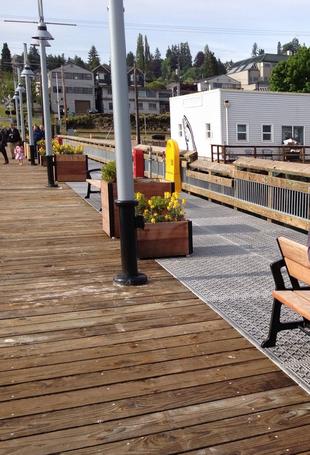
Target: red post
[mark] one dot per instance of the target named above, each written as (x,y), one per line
(138,162)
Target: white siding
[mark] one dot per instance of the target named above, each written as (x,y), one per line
(245,107)
(199,108)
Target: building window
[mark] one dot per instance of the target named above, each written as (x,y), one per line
(140,105)
(242,132)
(208,130)
(267,133)
(293,132)
(111,106)
(152,106)
(180,129)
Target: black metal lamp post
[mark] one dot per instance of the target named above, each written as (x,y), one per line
(125,189)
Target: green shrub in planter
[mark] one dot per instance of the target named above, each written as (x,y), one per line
(108,172)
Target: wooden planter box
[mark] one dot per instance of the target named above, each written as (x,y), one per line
(110,212)
(162,240)
(70,168)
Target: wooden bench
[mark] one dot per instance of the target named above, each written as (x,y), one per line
(92,182)
(297,297)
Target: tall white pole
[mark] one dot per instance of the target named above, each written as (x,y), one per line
(29,106)
(125,187)
(21,108)
(58,102)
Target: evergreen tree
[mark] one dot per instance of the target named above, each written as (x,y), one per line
(260,51)
(6,58)
(34,58)
(210,64)
(130,59)
(279,48)
(221,69)
(199,59)
(185,57)
(79,62)
(147,60)
(140,57)
(93,58)
(55,61)
(254,50)
(155,67)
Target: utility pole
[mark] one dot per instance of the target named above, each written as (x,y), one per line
(138,136)
(28,75)
(125,188)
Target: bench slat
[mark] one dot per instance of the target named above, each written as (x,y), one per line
(297,302)
(94,182)
(296,259)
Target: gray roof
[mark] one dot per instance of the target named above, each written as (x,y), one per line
(251,63)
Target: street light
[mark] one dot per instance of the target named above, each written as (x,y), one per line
(125,188)
(27,73)
(43,36)
(15,98)
(21,91)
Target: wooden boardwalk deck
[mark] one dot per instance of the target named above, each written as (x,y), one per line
(90,368)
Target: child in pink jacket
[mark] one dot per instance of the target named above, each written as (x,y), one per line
(19,153)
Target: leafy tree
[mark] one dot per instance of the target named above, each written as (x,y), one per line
(140,57)
(130,59)
(6,58)
(292,46)
(199,59)
(292,75)
(93,58)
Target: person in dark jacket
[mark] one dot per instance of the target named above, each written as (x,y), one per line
(37,136)
(3,139)
(13,138)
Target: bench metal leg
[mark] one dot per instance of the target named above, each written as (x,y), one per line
(88,191)
(275,325)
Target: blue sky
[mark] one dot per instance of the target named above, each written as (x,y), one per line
(228,27)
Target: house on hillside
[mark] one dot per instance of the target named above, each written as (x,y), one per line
(74,87)
(149,101)
(239,118)
(254,73)
(220,81)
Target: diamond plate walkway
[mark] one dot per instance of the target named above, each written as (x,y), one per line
(229,270)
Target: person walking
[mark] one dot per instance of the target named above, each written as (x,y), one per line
(20,153)
(13,138)
(3,138)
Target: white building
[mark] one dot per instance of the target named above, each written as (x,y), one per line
(78,85)
(237,117)
(220,81)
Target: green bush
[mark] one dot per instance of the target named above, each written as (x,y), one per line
(108,172)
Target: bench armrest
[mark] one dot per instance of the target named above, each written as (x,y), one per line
(89,171)
(277,274)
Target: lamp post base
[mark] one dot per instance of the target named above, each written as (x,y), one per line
(124,279)
(129,276)
(50,172)
(32,157)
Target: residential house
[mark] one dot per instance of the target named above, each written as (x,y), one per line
(254,73)
(149,101)
(220,81)
(77,84)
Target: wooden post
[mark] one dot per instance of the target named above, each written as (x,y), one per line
(255,154)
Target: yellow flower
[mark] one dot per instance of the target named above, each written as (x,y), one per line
(183,201)
(167,195)
(176,195)
(153,220)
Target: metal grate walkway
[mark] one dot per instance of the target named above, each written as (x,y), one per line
(229,270)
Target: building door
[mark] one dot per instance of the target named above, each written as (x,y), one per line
(82,106)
